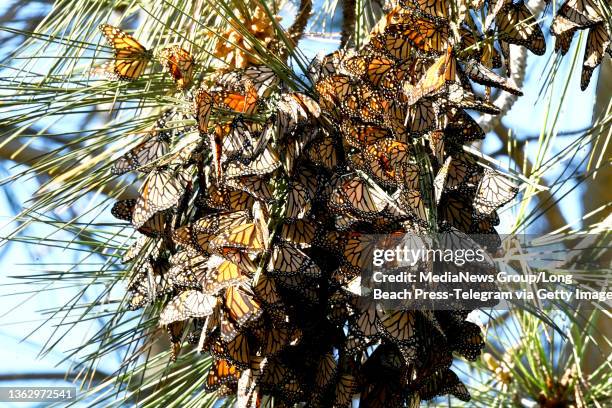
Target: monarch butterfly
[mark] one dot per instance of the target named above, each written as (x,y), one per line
(187,270)
(143,247)
(399,326)
(353,194)
(245,237)
(517,25)
(355,66)
(583,13)
(175,332)
(387,360)
(387,157)
(363,162)
(333,90)
(203,102)
(563,39)
(214,223)
(337,309)
(145,286)
(244,102)
(494,190)
(154,227)
(264,163)
(265,289)
(238,138)
(366,317)
(237,351)
(355,342)
(417,33)
(357,251)
(391,83)
(437,145)
(196,241)
(222,274)
(227,199)
(273,373)
(239,258)
(300,232)
(325,65)
(179,62)
(456,210)
(345,388)
(275,338)
(351,104)
(256,186)
(461,128)
(598,42)
(327,369)
(323,152)
(381,26)
(187,148)
(162,189)
(188,304)
(227,330)
(395,119)
(295,108)
(459,168)
(441,72)
(457,96)
(241,306)
(435,8)
(221,373)
(333,241)
(287,260)
(439,182)
(131,58)
(154,147)
(345,273)
(484,76)
(370,104)
(469,342)
(409,176)
(444,382)
(198,235)
(420,118)
(411,201)
(293,148)
(405,121)
(230,140)
(474,46)
(298,202)
(263,79)
(484,225)
(359,136)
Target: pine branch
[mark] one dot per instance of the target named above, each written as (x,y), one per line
(296,31)
(348,23)
(553,214)
(27,155)
(96,376)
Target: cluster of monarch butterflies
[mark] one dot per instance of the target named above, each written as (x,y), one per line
(256,222)
(577,15)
